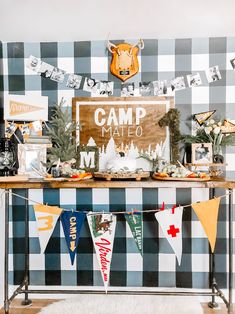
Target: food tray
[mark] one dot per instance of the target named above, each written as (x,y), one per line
(122,175)
(207,178)
(68,179)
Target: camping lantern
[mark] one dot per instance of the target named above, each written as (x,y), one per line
(8,157)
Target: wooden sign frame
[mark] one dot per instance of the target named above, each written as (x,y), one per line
(162,103)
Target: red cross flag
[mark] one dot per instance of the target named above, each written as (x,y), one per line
(170,221)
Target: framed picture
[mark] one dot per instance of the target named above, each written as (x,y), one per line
(124,124)
(202,153)
(30,158)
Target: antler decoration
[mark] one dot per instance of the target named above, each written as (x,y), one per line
(110,45)
(140,43)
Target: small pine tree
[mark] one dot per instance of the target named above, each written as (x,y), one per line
(61,132)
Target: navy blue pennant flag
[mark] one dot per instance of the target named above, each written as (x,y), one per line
(72,224)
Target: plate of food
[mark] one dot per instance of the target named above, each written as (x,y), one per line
(179,173)
(78,175)
(194,177)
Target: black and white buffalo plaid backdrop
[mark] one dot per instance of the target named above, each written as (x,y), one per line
(160,59)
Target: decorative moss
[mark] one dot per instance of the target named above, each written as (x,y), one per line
(171,119)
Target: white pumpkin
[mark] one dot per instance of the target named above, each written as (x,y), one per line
(121,163)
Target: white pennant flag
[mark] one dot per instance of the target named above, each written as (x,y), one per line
(46,217)
(102,227)
(170,222)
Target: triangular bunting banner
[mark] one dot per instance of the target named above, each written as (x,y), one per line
(207,213)
(203,116)
(170,222)
(46,217)
(102,227)
(72,223)
(135,222)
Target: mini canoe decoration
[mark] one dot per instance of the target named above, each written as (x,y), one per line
(124,62)
(228,127)
(201,117)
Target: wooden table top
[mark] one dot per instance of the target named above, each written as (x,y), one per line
(93,183)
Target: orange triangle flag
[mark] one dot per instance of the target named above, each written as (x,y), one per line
(207,213)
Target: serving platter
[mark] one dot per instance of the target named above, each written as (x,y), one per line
(68,179)
(156,177)
(122,175)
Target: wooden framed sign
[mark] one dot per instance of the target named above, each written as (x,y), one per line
(128,124)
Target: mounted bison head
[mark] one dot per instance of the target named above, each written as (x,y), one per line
(124,62)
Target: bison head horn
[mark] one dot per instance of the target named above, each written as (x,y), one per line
(140,43)
(110,45)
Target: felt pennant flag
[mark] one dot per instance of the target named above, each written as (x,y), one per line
(170,222)
(135,222)
(72,223)
(46,217)
(207,213)
(201,117)
(102,227)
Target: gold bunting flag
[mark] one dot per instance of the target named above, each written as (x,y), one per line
(207,213)
(46,217)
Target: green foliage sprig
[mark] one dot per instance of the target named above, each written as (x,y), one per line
(62,134)
(211,132)
(153,161)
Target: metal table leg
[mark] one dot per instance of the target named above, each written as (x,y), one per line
(213,284)
(6,291)
(26,300)
(230,252)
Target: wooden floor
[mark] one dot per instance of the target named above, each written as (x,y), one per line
(37,305)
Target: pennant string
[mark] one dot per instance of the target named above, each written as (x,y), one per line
(115,213)
(173,209)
